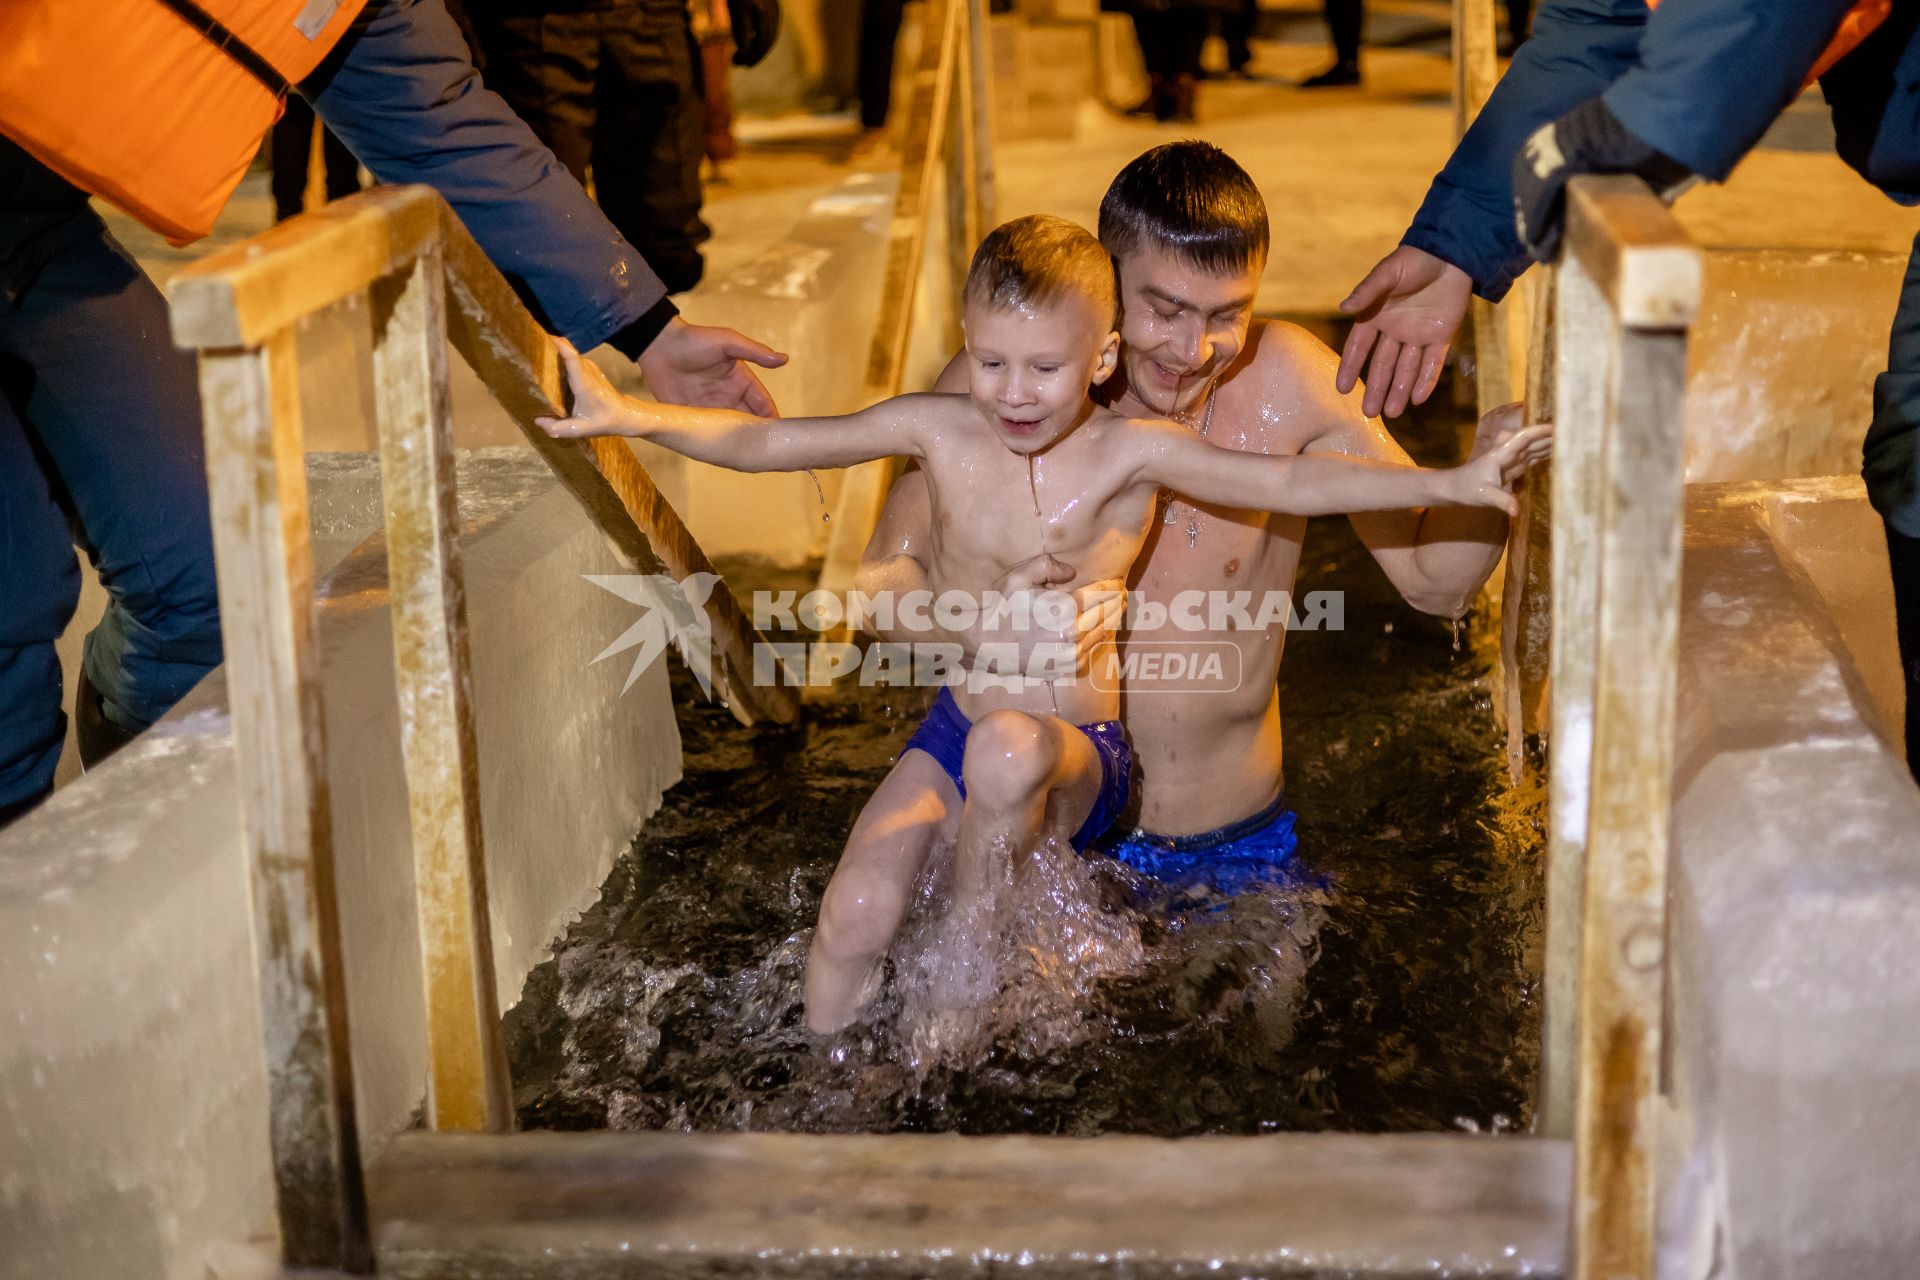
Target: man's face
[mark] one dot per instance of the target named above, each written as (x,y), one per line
(1030,366)
(1180,325)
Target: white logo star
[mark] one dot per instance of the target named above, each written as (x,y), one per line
(673,613)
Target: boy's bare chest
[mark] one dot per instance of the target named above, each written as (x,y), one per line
(1005,511)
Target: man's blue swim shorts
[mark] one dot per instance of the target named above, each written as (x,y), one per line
(1255,850)
(943,735)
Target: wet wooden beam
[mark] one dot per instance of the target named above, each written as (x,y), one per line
(1629,282)
(863,489)
(1637,255)
(256,471)
(468,1086)
(1476,69)
(514,356)
(594,1206)
(246,293)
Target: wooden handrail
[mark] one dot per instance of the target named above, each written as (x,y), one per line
(513,355)
(401,249)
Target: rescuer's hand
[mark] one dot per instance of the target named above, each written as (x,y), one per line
(755,23)
(698,365)
(1405,312)
(1588,139)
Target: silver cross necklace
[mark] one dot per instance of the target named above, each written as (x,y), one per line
(1193,512)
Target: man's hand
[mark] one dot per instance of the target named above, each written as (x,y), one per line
(1588,139)
(698,365)
(1406,312)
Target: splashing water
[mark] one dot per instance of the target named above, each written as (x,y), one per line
(1395,991)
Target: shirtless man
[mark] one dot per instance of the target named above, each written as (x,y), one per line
(1188,231)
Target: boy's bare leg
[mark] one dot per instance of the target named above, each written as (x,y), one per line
(1028,777)
(872,887)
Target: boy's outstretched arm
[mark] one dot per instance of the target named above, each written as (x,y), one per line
(734,439)
(1322,485)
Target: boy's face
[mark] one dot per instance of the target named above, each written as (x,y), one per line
(1030,366)
(1180,325)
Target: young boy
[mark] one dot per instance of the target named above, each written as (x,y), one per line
(1025,463)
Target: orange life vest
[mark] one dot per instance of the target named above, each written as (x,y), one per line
(157,105)
(1855,27)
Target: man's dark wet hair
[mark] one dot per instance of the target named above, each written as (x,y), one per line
(1191,199)
(1038,260)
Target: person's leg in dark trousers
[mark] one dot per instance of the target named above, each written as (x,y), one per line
(39,585)
(292,144)
(1345,20)
(110,411)
(547,67)
(1186,38)
(1236,29)
(1151,29)
(1891,467)
(1519,15)
(879,33)
(651,135)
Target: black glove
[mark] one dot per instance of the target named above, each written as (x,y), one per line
(755,24)
(1588,139)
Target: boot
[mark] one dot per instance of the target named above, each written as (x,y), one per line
(1181,98)
(1150,105)
(1340,75)
(97,736)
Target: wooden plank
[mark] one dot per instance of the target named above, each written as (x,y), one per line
(595,1205)
(1634,250)
(256,471)
(863,489)
(1581,379)
(468,1086)
(986,184)
(242,295)
(1623,939)
(1527,592)
(1476,65)
(963,207)
(1476,70)
(515,358)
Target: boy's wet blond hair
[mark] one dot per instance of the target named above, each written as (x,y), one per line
(1038,260)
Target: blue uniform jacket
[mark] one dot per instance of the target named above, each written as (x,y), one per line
(402,93)
(1700,80)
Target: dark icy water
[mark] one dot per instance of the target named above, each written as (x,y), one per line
(1394,989)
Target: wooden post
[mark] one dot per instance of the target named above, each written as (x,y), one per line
(986,191)
(468,1086)
(256,471)
(1581,376)
(863,490)
(1629,287)
(1476,69)
(1526,594)
(958,145)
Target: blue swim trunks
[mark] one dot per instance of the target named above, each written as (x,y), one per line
(1253,851)
(943,735)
